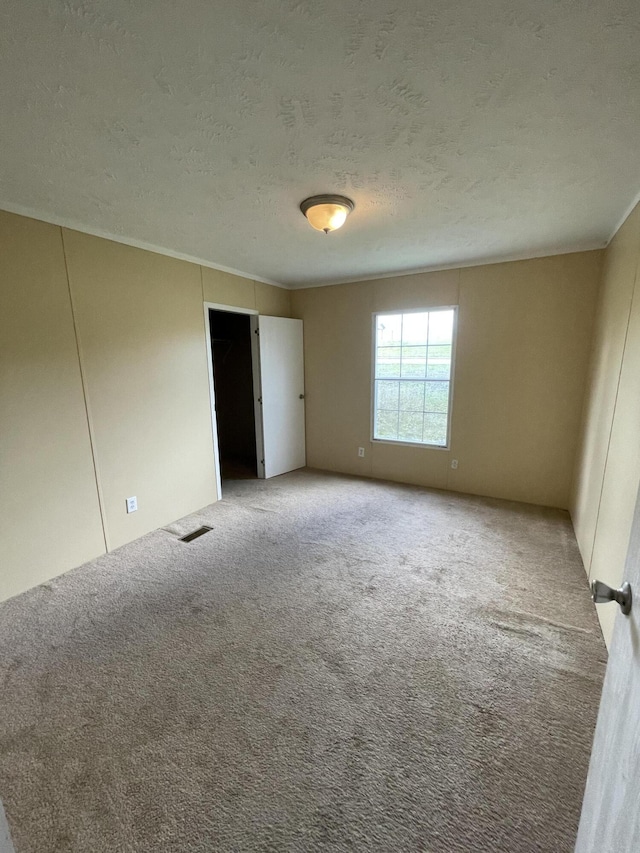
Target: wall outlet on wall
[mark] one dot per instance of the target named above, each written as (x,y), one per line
(361,451)
(454,464)
(132,504)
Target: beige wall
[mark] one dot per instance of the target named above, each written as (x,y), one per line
(104,393)
(223,288)
(607,473)
(141,337)
(523,349)
(49,517)
(521,365)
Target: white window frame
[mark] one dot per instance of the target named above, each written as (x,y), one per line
(454,341)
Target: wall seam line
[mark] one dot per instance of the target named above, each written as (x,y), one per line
(613,416)
(85,397)
(571,502)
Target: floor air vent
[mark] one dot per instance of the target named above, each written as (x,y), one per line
(194,535)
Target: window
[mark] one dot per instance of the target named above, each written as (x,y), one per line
(412,376)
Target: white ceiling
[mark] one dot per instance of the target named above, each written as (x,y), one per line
(464,131)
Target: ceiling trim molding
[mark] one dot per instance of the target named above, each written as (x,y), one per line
(503,259)
(63,222)
(627,214)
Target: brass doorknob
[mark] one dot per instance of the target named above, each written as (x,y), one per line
(601,593)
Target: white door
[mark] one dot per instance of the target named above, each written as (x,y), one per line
(281,394)
(610,821)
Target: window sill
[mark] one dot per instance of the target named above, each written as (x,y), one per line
(417,444)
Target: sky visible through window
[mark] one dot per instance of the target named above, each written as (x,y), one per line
(413,376)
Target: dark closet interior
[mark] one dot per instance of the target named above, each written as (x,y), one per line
(233,386)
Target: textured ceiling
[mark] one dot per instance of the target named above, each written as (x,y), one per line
(463,130)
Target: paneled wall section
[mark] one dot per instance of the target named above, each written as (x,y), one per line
(104,393)
(607,473)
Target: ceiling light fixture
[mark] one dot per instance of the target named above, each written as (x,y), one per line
(326,212)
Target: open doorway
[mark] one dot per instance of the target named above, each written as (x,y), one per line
(233,380)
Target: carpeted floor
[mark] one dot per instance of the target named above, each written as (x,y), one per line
(340,665)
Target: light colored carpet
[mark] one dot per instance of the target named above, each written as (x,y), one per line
(340,665)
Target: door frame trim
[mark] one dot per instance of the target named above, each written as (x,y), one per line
(255,357)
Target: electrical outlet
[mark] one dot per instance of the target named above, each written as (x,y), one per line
(454,464)
(361,451)
(132,504)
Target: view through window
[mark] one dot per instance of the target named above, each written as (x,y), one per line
(412,379)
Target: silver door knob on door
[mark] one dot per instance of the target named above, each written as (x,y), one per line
(601,593)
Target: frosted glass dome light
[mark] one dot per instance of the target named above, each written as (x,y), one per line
(327,212)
